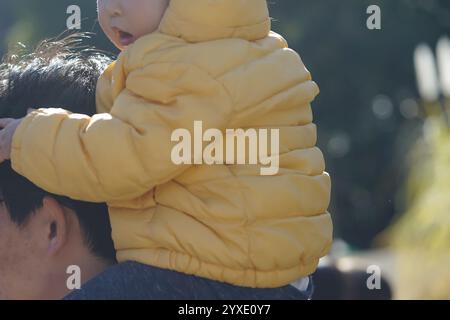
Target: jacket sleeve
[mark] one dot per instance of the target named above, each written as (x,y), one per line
(123,154)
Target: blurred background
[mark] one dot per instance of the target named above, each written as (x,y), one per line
(382,121)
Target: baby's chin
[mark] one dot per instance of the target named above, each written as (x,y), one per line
(121,46)
(123,40)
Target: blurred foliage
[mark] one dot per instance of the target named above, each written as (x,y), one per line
(366,77)
(421,238)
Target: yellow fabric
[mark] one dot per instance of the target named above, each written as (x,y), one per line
(218,62)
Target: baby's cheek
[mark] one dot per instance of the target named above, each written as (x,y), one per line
(103,20)
(111,35)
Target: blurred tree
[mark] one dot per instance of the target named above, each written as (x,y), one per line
(365,77)
(421,239)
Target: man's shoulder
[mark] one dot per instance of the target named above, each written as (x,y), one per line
(135,281)
(126,280)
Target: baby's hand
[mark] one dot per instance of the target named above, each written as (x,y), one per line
(8,128)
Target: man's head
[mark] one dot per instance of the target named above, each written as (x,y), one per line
(125,21)
(41,234)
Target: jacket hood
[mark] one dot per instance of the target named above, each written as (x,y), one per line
(206,20)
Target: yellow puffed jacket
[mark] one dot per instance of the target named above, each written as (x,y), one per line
(218,62)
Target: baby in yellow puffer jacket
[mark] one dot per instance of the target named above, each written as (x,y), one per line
(185,61)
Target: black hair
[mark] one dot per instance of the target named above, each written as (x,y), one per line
(59,73)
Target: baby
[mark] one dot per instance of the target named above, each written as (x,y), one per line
(185,61)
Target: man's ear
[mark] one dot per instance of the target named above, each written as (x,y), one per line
(55,225)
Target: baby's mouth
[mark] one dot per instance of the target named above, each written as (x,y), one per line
(125,38)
